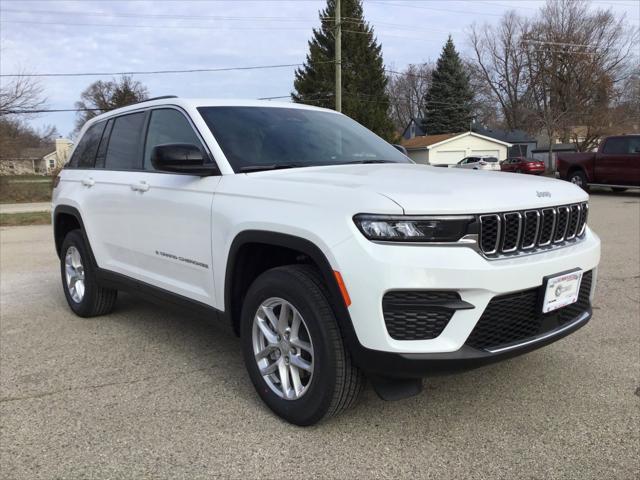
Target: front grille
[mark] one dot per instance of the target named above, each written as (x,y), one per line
(515,232)
(516,317)
(416,315)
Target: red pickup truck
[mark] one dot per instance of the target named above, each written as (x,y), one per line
(616,164)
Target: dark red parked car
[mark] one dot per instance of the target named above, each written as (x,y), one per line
(522,165)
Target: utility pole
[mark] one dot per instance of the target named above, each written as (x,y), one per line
(338,35)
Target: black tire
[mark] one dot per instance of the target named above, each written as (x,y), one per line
(577,177)
(336,383)
(96,299)
(618,189)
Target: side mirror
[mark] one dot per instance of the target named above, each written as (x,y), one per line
(400,148)
(182,158)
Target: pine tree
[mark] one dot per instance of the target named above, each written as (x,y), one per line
(448,102)
(364,82)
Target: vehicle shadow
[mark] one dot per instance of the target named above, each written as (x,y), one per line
(201,343)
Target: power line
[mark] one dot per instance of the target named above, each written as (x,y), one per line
(156,72)
(181,27)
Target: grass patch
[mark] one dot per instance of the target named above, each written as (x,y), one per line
(30,218)
(25,188)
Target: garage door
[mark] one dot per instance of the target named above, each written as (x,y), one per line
(489,153)
(447,157)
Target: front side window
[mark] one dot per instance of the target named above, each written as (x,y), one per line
(276,137)
(616,146)
(84,155)
(123,152)
(168,126)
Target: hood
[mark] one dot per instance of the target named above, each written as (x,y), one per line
(422,189)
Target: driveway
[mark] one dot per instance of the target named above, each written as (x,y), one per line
(147,392)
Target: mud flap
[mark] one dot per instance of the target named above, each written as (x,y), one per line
(392,389)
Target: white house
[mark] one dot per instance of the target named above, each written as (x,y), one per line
(60,156)
(450,148)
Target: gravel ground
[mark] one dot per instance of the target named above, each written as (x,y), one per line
(151,393)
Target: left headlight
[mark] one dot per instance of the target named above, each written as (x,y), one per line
(414,228)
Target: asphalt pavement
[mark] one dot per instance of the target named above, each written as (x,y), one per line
(147,392)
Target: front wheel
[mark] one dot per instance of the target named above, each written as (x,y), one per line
(293,349)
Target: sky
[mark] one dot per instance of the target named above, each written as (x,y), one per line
(76,36)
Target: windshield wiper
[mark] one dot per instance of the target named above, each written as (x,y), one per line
(260,168)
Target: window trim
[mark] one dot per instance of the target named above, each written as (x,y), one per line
(203,144)
(147,111)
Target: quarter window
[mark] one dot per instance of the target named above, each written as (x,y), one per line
(168,126)
(123,152)
(84,155)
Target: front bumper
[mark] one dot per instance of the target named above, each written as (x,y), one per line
(370,270)
(417,365)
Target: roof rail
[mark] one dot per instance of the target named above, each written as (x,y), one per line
(155,98)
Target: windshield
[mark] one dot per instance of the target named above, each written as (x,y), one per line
(254,138)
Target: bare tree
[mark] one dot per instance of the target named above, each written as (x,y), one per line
(23,93)
(406,93)
(101,96)
(575,57)
(500,67)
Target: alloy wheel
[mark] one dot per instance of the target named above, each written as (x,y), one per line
(282,348)
(74,274)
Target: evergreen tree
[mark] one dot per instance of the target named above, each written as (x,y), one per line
(448,102)
(364,82)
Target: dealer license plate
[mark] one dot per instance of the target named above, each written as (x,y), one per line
(561,290)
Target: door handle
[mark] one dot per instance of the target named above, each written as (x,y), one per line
(88,182)
(140,187)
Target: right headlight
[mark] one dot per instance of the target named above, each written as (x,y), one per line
(403,228)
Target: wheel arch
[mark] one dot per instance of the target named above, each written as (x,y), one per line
(236,284)
(65,219)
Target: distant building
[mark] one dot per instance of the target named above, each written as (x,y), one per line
(542,153)
(522,143)
(37,161)
(450,148)
(415,128)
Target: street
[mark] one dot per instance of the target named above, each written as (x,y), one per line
(148,392)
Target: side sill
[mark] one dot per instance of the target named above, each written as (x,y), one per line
(156,295)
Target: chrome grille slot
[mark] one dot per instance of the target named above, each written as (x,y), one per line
(506,234)
(489,233)
(574,220)
(548,224)
(561,224)
(530,229)
(512,226)
(584,213)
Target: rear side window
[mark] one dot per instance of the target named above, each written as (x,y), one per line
(616,145)
(84,155)
(123,152)
(168,126)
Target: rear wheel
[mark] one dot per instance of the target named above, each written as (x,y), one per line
(577,177)
(81,289)
(293,348)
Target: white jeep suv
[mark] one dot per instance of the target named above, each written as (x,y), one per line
(329,252)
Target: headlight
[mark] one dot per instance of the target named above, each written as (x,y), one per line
(414,229)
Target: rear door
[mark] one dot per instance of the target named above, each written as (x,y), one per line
(110,197)
(170,231)
(618,162)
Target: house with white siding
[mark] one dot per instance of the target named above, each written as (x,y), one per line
(449,148)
